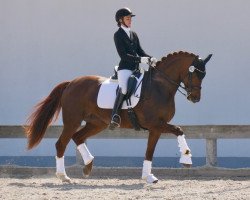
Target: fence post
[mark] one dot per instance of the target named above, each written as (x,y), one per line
(211,152)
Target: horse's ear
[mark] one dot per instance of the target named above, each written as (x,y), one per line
(207,58)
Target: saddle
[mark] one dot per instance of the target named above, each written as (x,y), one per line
(132,82)
(109,89)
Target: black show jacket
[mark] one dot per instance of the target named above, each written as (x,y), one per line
(129,49)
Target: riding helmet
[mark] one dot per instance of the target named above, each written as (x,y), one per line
(122,13)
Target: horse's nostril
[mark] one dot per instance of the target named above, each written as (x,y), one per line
(196,100)
(193,99)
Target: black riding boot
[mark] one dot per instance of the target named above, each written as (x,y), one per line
(115,117)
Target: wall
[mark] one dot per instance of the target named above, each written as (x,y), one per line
(45,42)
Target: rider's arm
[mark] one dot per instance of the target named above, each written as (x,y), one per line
(140,51)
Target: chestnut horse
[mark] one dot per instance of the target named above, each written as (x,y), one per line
(78,100)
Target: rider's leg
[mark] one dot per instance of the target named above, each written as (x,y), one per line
(115,117)
(123,76)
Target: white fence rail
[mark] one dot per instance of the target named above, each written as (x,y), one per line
(208,132)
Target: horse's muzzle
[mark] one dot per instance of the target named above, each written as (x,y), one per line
(193,99)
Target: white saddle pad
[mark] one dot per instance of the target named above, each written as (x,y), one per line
(107,94)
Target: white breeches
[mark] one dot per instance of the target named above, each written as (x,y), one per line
(123,76)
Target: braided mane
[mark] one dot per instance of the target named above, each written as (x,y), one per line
(174,55)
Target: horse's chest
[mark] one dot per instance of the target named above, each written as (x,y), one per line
(169,111)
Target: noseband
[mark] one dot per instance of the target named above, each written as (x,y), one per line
(190,87)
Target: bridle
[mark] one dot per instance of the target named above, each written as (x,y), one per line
(190,88)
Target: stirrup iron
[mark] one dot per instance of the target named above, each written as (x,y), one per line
(117,124)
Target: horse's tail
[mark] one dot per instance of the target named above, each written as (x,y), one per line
(43,115)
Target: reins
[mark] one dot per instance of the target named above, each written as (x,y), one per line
(190,74)
(169,80)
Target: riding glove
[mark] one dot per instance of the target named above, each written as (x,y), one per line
(145,60)
(153,61)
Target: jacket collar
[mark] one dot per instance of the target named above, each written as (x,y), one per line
(126,35)
(126,29)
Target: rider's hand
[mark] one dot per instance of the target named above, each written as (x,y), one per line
(153,61)
(145,60)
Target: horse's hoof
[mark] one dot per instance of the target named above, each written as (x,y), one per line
(151,178)
(156,181)
(63,177)
(87,169)
(187,165)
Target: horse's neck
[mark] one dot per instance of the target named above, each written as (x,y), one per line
(175,66)
(170,72)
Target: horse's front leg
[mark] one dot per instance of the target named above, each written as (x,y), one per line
(147,164)
(186,156)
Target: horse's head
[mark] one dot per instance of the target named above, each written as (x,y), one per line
(193,76)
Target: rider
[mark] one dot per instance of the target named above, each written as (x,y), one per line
(131,54)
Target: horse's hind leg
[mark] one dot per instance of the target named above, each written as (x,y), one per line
(147,164)
(79,138)
(61,145)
